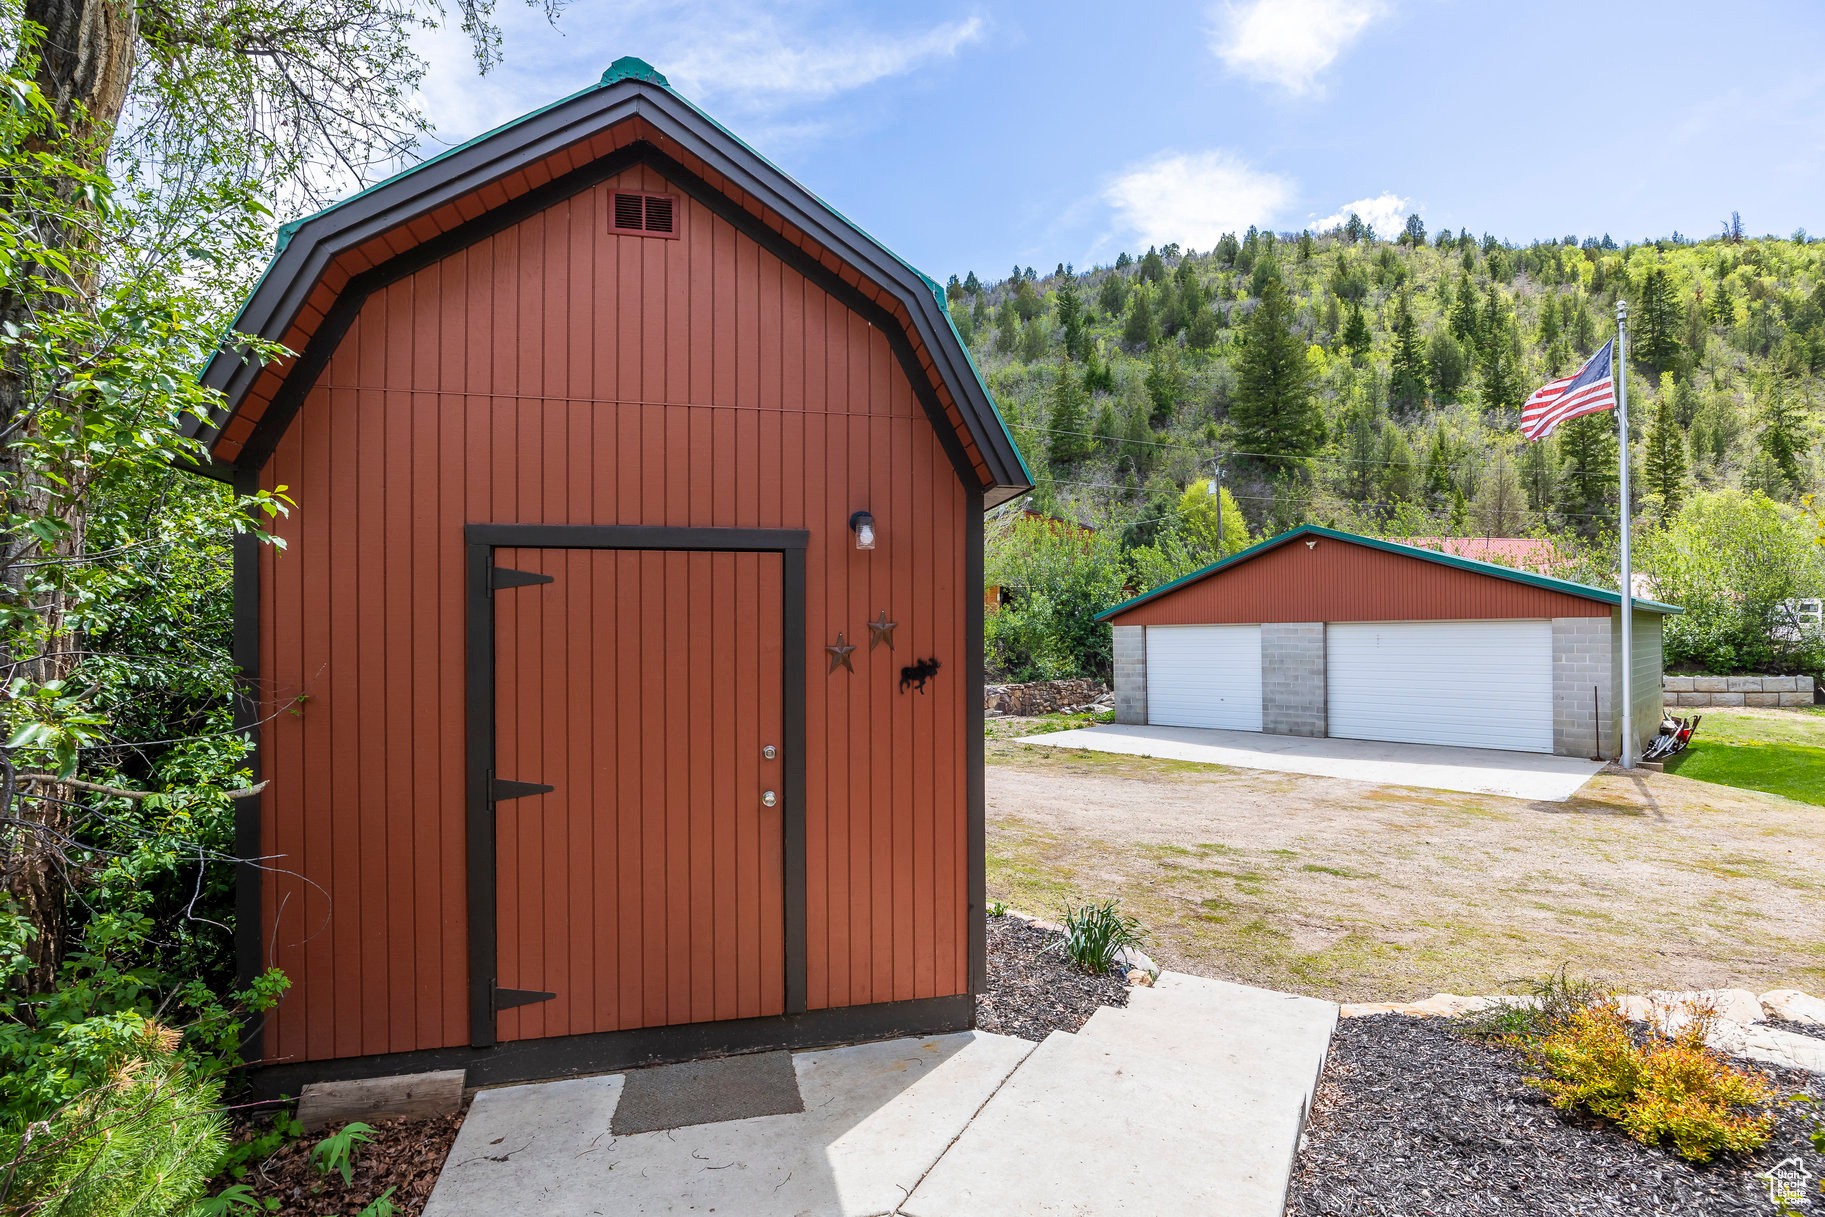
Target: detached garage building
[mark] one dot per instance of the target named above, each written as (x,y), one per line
(1324,633)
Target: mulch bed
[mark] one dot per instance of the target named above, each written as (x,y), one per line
(405,1155)
(1032,991)
(1412,1118)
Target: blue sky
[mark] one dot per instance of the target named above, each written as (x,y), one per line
(974,135)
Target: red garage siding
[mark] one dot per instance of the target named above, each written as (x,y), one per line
(1328,579)
(557,373)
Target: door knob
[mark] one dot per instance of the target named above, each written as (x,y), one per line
(768,799)
(769,752)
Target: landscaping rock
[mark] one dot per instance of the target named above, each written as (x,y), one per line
(1768,1045)
(1793,1006)
(1044,697)
(1439,1005)
(1736,1005)
(1709,684)
(1129,959)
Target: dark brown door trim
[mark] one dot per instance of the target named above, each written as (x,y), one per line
(480,542)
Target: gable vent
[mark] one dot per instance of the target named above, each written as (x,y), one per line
(653,215)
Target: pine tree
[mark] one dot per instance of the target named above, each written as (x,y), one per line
(972,284)
(1007,326)
(1153,267)
(1356,332)
(1465,312)
(1227,249)
(953,290)
(1407,373)
(1066,420)
(1274,410)
(1165,384)
(979,312)
(1783,435)
(1665,457)
(1141,331)
(1071,317)
(1584,496)
(1447,365)
(1549,322)
(1034,340)
(1027,300)
(1112,297)
(1415,232)
(1655,340)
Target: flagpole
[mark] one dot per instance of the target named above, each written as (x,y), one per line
(1628,583)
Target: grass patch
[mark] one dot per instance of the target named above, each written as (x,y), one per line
(1796,771)
(1342,872)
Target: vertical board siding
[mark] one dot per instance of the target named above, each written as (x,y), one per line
(559,374)
(1336,580)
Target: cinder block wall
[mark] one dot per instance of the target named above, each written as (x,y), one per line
(1648,698)
(1292,678)
(1131,674)
(1581,663)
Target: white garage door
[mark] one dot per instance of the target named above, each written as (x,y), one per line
(1479,684)
(1204,676)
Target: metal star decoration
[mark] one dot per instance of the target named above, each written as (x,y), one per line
(881,631)
(839,654)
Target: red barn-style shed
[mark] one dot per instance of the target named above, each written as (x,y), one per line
(581,701)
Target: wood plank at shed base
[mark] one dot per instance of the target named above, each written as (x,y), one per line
(612,1051)
(413,1095)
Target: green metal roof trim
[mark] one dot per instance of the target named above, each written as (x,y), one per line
(1582,590)
(630,67)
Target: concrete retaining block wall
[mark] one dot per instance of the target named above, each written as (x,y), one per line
(1767,691)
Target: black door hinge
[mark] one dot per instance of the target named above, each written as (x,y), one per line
(507,999)
(501,576)
(500,788)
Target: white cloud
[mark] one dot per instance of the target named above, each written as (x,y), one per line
(1386,212)
(762,61)
(1287,42)
(761,65)
(1194,198)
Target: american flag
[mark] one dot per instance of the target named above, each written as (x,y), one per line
(1590,389)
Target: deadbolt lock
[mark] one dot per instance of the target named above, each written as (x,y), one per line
(768,799)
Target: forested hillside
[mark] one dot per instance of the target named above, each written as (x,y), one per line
(1346,378)
(1375,385)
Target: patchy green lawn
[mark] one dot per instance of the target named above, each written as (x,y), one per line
(1779,751)
(1359,892)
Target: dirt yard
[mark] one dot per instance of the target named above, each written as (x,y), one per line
(1353,891)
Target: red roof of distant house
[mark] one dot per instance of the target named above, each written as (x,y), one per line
(1523,553)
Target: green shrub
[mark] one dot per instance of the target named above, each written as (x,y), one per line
(1655,1087)
(142,1144)
(1094,933)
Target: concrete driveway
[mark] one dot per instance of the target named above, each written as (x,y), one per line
(1520,775)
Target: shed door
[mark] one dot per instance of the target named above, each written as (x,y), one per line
(1479,684)
(1204,676)
(647,887)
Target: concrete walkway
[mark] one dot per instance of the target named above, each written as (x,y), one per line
(1520,775)
(1188,1101)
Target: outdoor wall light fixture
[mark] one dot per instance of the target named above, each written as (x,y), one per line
(862,525)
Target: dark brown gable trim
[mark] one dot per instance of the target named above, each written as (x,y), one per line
(302,377)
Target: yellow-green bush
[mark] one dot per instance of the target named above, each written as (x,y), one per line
(1658,1087)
